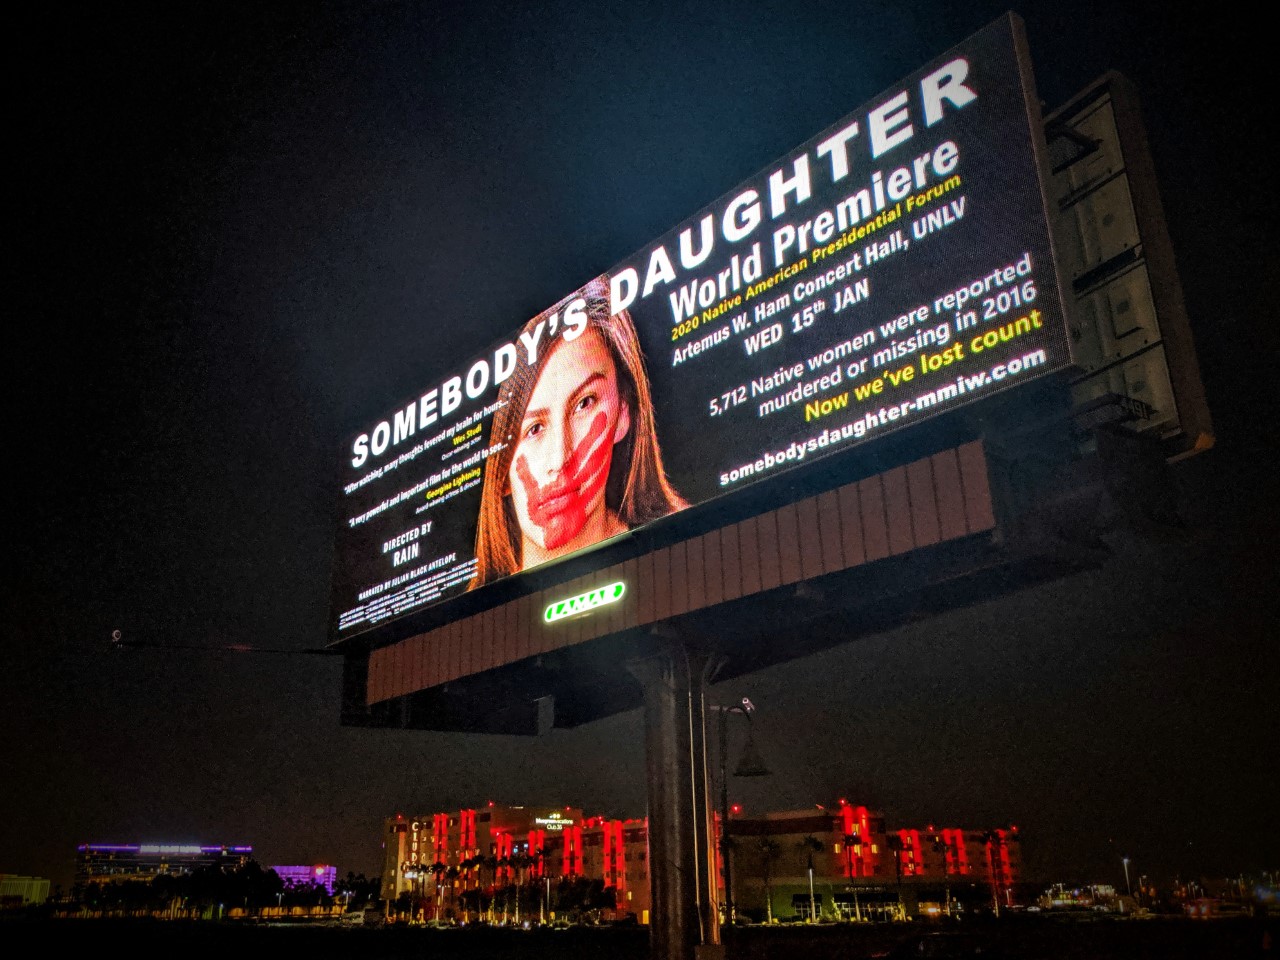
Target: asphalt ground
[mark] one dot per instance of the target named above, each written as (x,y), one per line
(1020,939)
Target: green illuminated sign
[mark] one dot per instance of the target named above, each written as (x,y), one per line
(584,602)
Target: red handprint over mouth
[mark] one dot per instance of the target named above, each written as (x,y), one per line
(560,507)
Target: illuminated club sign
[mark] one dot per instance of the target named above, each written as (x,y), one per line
(892,268)
(553,821)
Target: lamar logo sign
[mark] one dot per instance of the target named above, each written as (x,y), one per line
(584,602)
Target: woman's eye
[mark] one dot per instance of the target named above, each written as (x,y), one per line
(533,429)
(586,403)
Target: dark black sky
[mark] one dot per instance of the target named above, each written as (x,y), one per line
(244,229)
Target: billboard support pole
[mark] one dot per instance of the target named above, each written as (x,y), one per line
(684,925)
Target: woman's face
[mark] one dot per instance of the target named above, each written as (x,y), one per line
(565,448)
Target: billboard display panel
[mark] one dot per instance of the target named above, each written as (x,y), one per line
(895,266)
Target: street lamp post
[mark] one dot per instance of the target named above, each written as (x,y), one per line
(813,909)
(750,766)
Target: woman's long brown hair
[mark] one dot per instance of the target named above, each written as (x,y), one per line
(637,491)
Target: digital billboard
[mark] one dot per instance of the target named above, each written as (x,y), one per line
(895,266)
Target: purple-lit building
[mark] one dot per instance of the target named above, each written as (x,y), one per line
(116,862)
(300,876)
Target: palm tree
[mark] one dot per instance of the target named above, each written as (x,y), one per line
(940,848)
(811,845)
(503,865)
(490,862)
(544,884)
(852,843)
(522,863)
(438,870)
(467,869)
(990,839)
(768,854)
(894,843)
(451,874)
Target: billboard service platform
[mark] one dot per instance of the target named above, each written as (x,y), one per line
(895,266)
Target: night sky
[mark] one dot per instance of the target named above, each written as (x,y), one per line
(243,231)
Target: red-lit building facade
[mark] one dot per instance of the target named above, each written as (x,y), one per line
(839,862)
(513,853)
(843,862)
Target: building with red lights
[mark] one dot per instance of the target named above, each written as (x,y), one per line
(515,859)
(844,863)
(511,862)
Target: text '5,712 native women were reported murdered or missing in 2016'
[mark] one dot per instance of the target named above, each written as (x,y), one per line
(892,268)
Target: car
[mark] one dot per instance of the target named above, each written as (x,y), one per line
(369,916)
(944,945)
